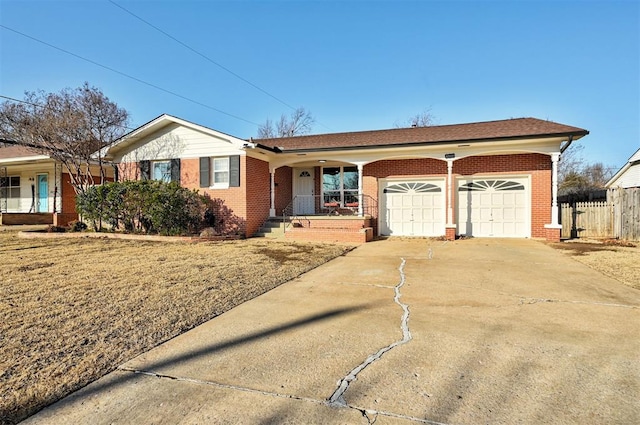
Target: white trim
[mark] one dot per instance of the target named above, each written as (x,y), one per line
(152,171)
(212,173)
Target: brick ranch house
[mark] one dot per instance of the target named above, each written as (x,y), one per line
(485,179)
(35,188)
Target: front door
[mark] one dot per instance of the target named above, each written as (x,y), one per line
(303,185)
(43,193)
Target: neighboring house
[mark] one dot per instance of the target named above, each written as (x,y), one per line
(34,188)
(629,175)
(487,179)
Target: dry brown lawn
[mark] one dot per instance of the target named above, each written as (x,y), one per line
(609,258)
(72,310)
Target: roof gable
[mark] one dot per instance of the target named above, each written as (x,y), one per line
(162,125)
(628,175)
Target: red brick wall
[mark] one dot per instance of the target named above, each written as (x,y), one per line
(67,196)
(538,166)
(258,192)
(284,188)
(233,197)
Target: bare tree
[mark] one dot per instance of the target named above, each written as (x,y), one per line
(71,126)
(576,175)
(421,119)
(571,162)
(300,122)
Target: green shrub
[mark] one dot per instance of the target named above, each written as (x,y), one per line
(144,206)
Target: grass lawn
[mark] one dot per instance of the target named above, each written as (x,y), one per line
(72,310)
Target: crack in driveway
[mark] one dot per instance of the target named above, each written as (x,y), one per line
(337,398)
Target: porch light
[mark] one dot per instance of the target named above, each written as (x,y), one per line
(322,161)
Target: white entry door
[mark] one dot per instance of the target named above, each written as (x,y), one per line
(303,187)
(413,208)
(494,207)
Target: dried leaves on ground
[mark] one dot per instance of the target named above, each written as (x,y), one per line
(619,260)
(74,309)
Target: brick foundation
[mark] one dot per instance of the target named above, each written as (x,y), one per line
(13,219)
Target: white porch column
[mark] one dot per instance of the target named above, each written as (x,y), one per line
(360,196)
(554,188)
(272,211)
(449,184)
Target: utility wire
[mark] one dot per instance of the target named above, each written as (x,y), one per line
(202,55)
(207,58)
(129,76)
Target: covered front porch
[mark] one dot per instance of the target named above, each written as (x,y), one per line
(323,200)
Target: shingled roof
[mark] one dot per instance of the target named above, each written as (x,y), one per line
(517,128)
(17,151)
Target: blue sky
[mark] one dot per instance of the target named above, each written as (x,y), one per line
(356,65)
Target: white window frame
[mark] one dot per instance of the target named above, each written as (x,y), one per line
(7,195)
(167,175)
(220,171)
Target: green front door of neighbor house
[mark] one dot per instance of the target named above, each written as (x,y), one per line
(43,193)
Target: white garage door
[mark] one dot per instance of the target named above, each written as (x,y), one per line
(413,208)
(494,207)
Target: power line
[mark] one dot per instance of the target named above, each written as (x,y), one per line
(207,58)
(130,76)
(202,55)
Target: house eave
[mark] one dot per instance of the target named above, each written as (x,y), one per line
(561,136)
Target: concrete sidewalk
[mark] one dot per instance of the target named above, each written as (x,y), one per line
(397,331)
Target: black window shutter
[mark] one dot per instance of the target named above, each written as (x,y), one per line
(234,171)
(204,172)
(175,170)
(116,172)
(145,170)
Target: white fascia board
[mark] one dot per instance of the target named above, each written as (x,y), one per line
(25,159)
(634,158)
(434,151)
(616,176)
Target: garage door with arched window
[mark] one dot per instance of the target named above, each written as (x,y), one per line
(413,208)
(494,207)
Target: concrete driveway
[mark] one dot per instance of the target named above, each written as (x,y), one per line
(396,332)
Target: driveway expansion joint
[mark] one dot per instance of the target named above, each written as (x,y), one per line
(337,398)
(224,386)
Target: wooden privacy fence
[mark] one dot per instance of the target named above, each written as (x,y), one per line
(618,217)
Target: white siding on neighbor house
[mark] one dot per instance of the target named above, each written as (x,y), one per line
(630,178)
(27,172)
(176,141)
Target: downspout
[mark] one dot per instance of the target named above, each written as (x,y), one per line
(566,146)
